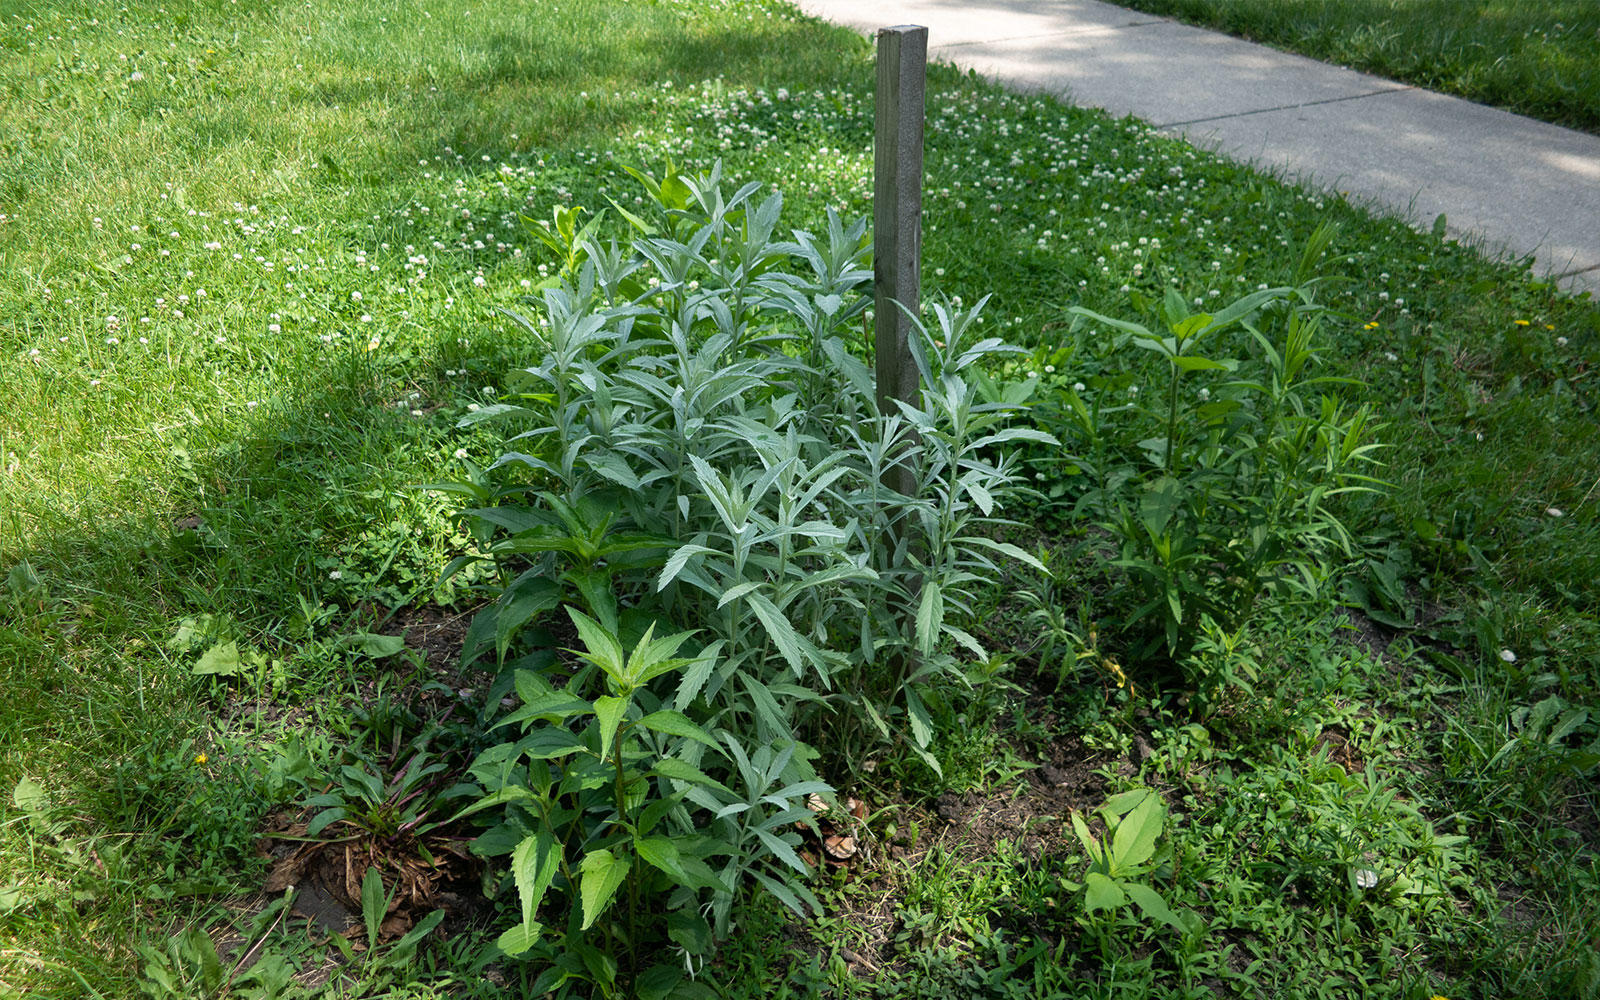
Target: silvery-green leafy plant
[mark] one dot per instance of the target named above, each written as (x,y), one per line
(695,448)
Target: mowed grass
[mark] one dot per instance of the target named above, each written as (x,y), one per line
(1540,59)
(249,261)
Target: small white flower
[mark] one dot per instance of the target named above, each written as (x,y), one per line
(1554,511)
(1561,342)
(355,296)
(1508,656)
(334,575)
(1366,878)
(1049,369)
(1078,387)
(1205,394)
(461,453)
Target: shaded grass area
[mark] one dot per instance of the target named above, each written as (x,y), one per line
(1536,59)
(245,454)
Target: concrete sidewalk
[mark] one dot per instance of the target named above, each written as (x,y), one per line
(1507,182)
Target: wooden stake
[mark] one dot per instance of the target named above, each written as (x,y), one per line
(897,214)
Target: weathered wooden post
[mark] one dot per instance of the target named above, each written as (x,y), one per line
(897,215)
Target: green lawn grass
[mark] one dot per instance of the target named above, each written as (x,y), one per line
(1537,59)
(250,255)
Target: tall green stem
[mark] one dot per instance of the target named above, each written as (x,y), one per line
(1172,417)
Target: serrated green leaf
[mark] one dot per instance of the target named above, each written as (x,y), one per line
(921,721)
(602,873)
(533,865)
(602,648)
(677,724)
(662,853)
(780,630)
(609,713)
(679,770)
(930,615)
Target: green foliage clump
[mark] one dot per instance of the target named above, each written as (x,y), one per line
(698,450)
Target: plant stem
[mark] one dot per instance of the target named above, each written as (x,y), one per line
(1172,416)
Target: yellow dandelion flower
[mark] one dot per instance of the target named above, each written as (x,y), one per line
(1520,322)
(199,758)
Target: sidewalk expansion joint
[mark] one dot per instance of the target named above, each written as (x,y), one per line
(1286,107)
(1581,270)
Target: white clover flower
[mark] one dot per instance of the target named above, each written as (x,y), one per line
(461,453)
(1366,878)
(1508,656)
(1561,342)
(1204,394)
(1077,387)
(335,574)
